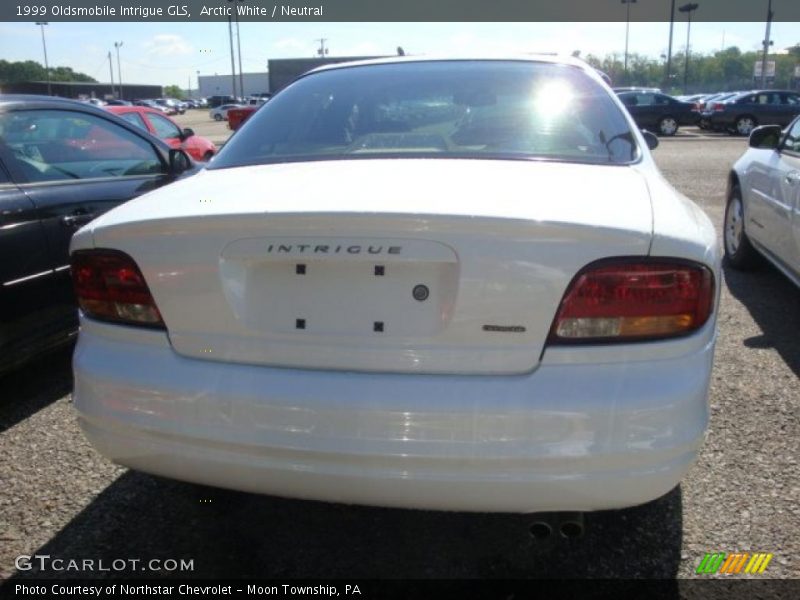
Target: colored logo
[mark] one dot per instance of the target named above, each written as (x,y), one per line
(737,562)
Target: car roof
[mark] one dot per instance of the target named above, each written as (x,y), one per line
(621,90)
(768,91)
(8,101)
(134,109)
(643,91)
(538,58)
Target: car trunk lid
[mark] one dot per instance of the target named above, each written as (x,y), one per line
(430,266)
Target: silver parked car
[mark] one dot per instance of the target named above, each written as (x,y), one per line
(762,217)
(221,112)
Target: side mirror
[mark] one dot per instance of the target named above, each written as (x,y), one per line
(187,133)
(179,161)
(766,137)
(650,138)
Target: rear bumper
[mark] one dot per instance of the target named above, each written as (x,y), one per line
(568,436)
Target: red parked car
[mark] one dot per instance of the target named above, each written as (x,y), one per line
(237,116)
(161,126)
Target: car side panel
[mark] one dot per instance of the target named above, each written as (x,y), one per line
(28,322)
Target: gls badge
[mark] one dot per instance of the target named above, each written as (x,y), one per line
(178,11)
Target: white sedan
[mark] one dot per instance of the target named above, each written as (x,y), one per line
(762,216)
(220,113)
(442,284)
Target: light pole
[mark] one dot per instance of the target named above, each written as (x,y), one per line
(198,84)
(627,4)
(766,43)
(688,9)
(118,45)
(41,24)
(111,71)
(233,64)
(669,49)
(239,50)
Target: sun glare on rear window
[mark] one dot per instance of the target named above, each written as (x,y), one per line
(438,109)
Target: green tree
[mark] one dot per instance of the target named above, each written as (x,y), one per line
(174,91)
(30,70)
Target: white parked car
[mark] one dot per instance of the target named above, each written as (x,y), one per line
(443,284)
(220,113)
(762,216)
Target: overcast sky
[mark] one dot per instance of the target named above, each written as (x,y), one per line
(172,53)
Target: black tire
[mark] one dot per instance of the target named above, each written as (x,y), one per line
(218,117)
(208,156)
(745,124)
(739,252)
(668,126)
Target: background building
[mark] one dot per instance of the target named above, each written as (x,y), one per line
(80,89)
(222,85)
(285,70)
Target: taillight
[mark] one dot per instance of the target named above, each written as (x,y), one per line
(110,287)
(634,299)
(718,107)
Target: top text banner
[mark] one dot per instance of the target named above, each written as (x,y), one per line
(395,10)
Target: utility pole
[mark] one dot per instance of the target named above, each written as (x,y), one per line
(239,46)
(118,45)
(111,71)
(322,50)
(233,63)
(688,9)
(669,49)
(627,4)
(766,44)
(41,24)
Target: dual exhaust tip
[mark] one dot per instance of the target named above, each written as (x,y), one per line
(567,525)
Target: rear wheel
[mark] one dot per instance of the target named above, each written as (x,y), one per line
(218,117)
(745,124)
(668,126)
(739,252)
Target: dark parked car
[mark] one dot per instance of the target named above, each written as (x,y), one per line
(658,112)
(216,101)
(62,163)
(708,104)
(742,113)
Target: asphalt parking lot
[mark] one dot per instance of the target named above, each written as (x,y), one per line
(59,497)
(202,124)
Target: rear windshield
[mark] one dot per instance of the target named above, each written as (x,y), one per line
(438,109)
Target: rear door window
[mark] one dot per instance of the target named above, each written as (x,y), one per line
(164,127)
(134,119)
(791,99)
(792,141)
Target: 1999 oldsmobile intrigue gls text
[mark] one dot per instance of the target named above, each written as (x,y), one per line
(446,284)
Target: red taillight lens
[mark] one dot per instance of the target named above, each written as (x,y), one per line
(638,299)
(110,287)
(718,107)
